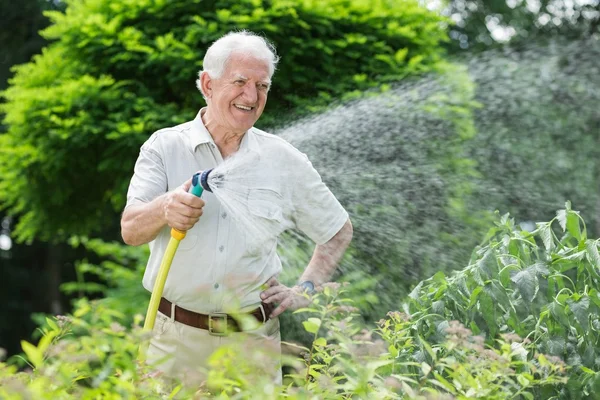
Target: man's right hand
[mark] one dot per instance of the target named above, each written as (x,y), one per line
(181,210)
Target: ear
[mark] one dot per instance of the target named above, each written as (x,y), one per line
(206,84)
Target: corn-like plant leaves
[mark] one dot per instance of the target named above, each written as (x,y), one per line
(561,216)
(438,307)
(556,346)
(559,314)
(593,255)
(475,295)
(573,225)
(527,283)
(580,310)
(488,265)
(546,234)
(486,308)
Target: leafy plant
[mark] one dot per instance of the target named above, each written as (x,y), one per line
(541,285)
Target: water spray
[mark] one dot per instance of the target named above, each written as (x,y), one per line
(230,183)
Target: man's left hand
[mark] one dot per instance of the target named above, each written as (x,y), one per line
(288,298)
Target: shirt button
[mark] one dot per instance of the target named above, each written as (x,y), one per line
(221,248)
(224,215)
(216,286)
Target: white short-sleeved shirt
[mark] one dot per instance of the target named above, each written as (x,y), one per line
(214,268)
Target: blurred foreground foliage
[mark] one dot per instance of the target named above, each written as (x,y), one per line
(520,321)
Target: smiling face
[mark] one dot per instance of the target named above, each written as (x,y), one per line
(237,99)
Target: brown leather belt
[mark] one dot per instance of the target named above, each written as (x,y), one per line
(217,324)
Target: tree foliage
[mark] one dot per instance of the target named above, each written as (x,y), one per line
(483,24)
(118,70)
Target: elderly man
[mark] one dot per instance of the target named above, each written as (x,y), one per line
(214,275)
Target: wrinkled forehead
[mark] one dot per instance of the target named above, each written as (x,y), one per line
(248,67)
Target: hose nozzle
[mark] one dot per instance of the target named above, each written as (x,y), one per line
(204,179)
(216,180)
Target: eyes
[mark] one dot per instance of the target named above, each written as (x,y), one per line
(260,86)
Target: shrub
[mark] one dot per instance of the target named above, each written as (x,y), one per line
(92,355)
(541,285)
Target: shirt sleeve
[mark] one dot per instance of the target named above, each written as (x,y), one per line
(317,212)
(149,178)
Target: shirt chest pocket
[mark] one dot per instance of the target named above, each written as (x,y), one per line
(265,203)
(266,217)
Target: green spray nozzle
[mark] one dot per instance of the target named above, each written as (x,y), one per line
(196,187)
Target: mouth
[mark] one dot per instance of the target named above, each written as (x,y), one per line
(243,107)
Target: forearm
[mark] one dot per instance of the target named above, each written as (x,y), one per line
(141,223)
(326,256)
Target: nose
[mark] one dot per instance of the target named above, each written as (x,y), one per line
(250,93)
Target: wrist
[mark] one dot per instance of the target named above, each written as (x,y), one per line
(307,286)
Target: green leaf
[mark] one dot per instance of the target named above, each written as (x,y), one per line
(556,346)
(546,235)
(438,307)
(312,325)
(447,385)
(587,370)
(46,340)
(488,264)
(558,313)
(522,380)
(561,215)
(573,225)
(488,312)
(475,295)
(527,284)
(52,324)
(33,353)
(581,310)
(428,349)
(321,342)
(593,254)
(425,368)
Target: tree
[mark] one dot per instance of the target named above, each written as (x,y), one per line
(481,24)
(118,70)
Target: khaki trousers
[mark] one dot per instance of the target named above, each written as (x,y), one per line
(184,352)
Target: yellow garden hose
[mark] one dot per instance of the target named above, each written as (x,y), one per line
(159,285)
(163,272)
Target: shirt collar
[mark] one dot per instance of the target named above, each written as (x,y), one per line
(200,135)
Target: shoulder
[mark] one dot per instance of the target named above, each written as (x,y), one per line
(274,143)
(167,138)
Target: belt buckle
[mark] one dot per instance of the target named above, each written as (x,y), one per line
(217,319)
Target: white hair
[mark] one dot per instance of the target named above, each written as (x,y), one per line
(243,42)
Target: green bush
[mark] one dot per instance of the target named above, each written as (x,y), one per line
(93,355)
(119,70)
(541,285)
(521,321)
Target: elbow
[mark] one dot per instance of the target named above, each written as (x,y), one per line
(347,232)
(127,237)
(127,233)
(350,229)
